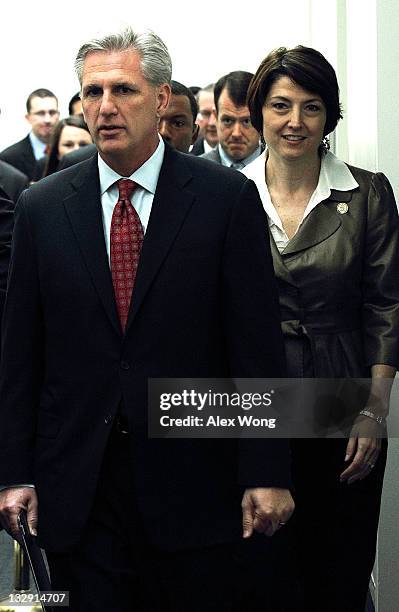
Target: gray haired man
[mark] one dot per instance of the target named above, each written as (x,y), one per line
(117,276)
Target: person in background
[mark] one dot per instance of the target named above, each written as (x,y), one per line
(195,89)
(12,181)
(335,246)
(42,114)
(206,119)
(70,134)
(75,105)
(177,123)
(239,142)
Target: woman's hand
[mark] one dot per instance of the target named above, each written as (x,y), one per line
(363,448)
(364,444)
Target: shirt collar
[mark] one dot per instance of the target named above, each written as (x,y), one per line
(334,174)
(207,147)
(146,176)
(39,147)
(227,161)
(256,172)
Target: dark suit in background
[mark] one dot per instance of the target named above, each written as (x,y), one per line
(198,147)
(6,225)
(70,159)
(12,181)
(21,156)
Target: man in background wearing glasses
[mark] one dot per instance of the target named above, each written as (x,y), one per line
(42,114)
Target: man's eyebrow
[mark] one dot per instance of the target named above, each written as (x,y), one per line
(91,86)
(130,84)
(235,117)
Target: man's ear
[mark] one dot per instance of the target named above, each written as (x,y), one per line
(163,96)
(28,118)
(195,133)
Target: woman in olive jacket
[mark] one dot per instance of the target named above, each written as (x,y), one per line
(335,242)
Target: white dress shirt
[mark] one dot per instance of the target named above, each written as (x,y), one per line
(146,176)
(39,147)
(334,174)
(207,147)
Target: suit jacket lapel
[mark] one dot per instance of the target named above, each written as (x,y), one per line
(320,224)
(280,268)
(29,158)
(83,208)
(172,201)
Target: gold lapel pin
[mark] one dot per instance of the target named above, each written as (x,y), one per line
(342,208)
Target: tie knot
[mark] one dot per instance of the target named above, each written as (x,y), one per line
(238,165)
(126,188)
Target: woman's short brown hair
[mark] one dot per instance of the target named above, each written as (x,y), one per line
(307,68)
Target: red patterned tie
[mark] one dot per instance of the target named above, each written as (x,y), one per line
(126,242)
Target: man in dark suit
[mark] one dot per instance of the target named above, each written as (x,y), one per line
(130,521)
(42,114)
(238,140)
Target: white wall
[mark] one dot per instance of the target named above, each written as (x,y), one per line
(367,68)
(205,39)
(361,51)
(387,55)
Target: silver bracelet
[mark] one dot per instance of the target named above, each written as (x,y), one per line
(378,419)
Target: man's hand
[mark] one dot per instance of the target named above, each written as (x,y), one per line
(12,501)
(265,510)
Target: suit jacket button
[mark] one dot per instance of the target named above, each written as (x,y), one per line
(125,365)
(108,419)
